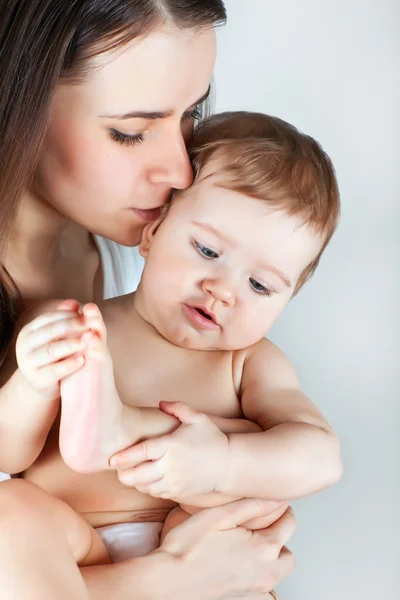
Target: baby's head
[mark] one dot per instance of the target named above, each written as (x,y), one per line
(229,252)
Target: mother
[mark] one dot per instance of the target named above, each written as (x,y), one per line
(97,104)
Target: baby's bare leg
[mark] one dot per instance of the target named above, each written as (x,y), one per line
(42,541)
(91,428)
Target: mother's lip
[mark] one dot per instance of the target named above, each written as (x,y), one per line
(150,214)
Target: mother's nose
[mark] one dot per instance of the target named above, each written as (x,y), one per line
(172,166)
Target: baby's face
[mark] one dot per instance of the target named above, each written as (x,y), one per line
(220,268)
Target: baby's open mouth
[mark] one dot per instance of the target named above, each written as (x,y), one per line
(204,314)
(201,317)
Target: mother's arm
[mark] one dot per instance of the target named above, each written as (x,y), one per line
(208,556)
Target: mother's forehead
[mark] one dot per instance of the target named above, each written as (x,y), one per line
(160,62)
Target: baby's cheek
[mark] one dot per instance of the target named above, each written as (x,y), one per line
(253,327)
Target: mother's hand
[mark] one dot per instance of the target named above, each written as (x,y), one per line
(211,556)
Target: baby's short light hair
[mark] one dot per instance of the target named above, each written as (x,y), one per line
(266,158)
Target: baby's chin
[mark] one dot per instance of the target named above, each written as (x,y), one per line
(194,340)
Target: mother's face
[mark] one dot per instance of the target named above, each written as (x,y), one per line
(115,145)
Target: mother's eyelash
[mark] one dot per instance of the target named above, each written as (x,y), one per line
(127,140)
(193,114)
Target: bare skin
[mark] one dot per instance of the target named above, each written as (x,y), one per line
(150,333)
(105,409)
(66,539)
(51,254)
(83,487)
(88,182)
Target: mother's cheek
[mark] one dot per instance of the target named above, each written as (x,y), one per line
(116,174)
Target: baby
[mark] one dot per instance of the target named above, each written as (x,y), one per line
(213,410)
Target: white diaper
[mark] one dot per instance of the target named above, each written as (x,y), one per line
(129,540)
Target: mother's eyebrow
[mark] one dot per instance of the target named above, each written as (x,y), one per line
(152,115)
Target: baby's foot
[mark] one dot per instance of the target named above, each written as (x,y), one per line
(91,428)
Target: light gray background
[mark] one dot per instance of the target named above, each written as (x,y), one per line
(332,68)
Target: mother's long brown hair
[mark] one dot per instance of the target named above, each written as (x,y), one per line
(42,41)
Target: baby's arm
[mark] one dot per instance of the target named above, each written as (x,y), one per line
(297,453)
(29,396)
(25,420)
(145,422)
(95,423)
(294,452)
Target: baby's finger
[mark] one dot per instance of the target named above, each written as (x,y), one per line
(144,474)
(69,305)
(56,371)
(50,317)
(51,331)
(152,449)
(56,351)
(157,489)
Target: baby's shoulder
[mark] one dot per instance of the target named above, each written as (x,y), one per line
(264,357)
(263,349)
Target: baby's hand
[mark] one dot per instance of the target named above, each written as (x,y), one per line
(50,347)
(188,462)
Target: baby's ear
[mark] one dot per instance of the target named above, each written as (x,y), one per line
(147,237)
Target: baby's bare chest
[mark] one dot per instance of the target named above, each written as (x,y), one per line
(145,374)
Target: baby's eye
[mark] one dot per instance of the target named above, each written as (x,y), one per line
(259,288)
(204,251)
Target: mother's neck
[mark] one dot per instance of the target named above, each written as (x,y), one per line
(43,236)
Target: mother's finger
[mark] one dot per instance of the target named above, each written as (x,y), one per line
(287,563)
(268,519)
(234,514)
(227,516)
(279,532)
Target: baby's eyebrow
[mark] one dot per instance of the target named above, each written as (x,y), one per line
(279,273)
(153,115)
(231,241)
(216,232)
